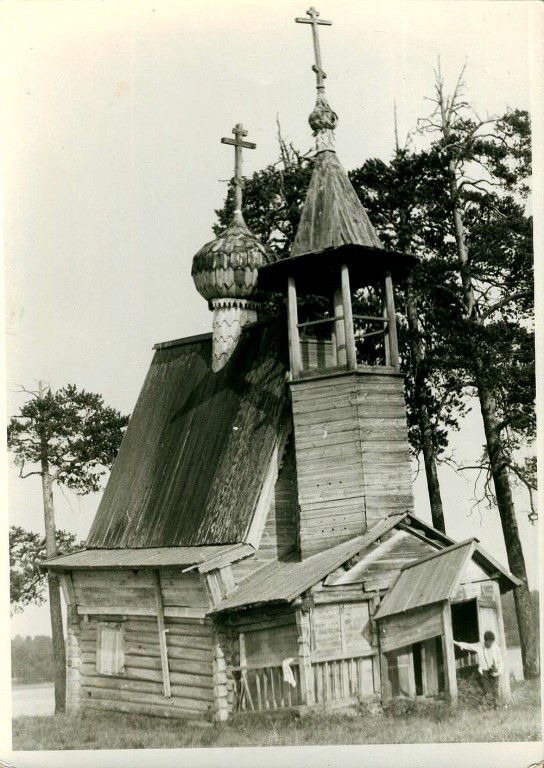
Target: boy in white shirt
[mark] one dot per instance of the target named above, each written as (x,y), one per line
(490,666)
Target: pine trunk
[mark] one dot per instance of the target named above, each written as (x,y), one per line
(422,409)
(57,628)
(498,464)
(514,552)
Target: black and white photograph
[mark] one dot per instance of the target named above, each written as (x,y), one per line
(272,299)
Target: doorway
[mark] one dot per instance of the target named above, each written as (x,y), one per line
(465,627)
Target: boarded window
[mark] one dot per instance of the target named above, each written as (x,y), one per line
(270,646)
(342,630)
(110,655)
(356,629)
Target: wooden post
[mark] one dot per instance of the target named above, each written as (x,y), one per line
(392,325)
(504,679)
(304,657)
(351,352)
(162,635)
(375,643)
(386,335)
(449,654)
(339,329)
(292,316)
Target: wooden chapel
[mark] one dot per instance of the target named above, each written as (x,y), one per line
(256,546)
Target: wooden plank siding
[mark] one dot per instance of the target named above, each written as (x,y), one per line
(280,529)
(118,591)
(381,412)
(352,455)
(187,643)
(328,456)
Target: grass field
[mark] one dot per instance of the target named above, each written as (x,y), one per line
(407,723)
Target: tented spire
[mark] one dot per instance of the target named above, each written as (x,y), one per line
(333,215)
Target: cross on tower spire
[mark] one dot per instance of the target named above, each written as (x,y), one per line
(315,22)
(238,143)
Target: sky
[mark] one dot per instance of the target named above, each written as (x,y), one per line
(112,167)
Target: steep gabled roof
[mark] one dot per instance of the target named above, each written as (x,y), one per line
(332,215)
(198,445)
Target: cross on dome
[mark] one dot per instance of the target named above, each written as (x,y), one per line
(315,21)
(238,143)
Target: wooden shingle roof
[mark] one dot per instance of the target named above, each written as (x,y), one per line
(332,215)
(197,448)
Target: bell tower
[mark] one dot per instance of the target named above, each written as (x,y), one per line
(352,454)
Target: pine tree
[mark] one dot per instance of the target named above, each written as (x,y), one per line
(68,437)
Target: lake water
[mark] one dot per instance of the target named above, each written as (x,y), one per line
(36,699)
(40,699)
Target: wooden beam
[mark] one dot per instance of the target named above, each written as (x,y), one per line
(449,654)
(504,679)
(304,658)
(339,329)
(351,352)
(162,636)
(115,610)
(292,317)
(67,585)
(392,325)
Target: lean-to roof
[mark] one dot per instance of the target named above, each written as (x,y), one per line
(284,580)
(197,448)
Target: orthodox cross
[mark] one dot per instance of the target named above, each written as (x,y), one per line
(315,22)
(238,143)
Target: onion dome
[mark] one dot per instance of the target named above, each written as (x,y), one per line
(228,266)
(225,270)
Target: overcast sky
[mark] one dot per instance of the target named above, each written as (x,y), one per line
(113,115)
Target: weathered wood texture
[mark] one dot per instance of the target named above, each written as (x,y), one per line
(340,679)
(265,689)
(412,627)
(73,671)
(189,647)
(352,455)
(128,591)
(340,630)
(307,682)
(316,354)
(450,671)
(280,530)
(279,534)
(193,460)
(381,562)
(269,646)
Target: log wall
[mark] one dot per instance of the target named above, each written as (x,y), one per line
(140,687)
(73,664)
(352,455)
(128,599)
